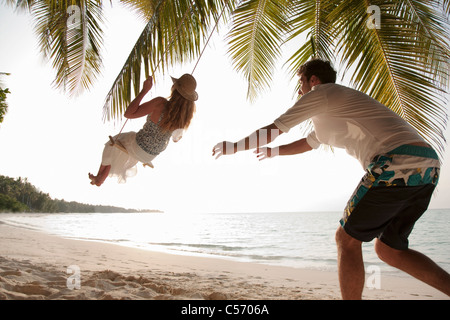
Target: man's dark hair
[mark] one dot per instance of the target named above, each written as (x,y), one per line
(319,68)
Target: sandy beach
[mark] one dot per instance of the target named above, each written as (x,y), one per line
(38,266)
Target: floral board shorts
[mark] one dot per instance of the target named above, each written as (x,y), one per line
(392,195)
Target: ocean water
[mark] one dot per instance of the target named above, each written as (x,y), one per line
(295,239)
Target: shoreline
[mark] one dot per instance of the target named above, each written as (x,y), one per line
(38,266)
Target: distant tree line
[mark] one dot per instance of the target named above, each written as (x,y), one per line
(3,103)
(18,195)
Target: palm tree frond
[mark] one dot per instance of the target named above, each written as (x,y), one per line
(255,39)
(311,17)
(70,35)
(401,64)
(119,96)
(144,9)
(173,35)
(446,7)
(20,5)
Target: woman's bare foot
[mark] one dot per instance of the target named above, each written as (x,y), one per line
(94,180)
(101,176)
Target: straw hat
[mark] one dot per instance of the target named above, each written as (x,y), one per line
(186,85)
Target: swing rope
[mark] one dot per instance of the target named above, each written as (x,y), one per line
(209,38)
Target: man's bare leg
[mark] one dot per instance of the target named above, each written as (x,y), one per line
(350,266)
(416,264)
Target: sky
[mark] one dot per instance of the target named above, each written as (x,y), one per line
(55,141)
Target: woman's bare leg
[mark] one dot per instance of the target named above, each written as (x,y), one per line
(101,176)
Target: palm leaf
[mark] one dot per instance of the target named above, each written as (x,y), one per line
(21,5)
(152,50)
(70,35)
(311,17)
(119,96)
(402,64)
(1,75)
(258,30)
(446,7)
(173,35)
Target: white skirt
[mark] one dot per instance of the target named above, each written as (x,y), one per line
(123,165)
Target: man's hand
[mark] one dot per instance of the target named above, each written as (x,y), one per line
(223,148)
(264,153)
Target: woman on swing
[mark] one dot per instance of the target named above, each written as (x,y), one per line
(165,119)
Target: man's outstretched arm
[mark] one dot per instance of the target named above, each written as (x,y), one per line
(257,139)
(295,147)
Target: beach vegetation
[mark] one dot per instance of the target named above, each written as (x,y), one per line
(396,51)
(9,204)
(19,195)
(3,103)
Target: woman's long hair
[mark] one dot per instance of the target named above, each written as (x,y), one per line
(177,113)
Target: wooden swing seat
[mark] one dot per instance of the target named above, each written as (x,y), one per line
(120,146)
